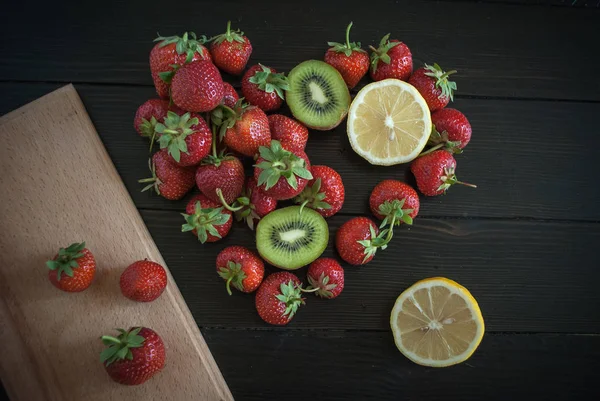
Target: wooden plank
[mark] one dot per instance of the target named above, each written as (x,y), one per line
(529,158)
(332,365)
(61,187)
(526,276)
(495,47)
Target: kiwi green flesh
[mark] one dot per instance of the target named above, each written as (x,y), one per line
(318,95)
(289,239)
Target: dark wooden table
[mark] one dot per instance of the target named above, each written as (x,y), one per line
(525,242)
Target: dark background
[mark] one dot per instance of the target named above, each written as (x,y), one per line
(525,242)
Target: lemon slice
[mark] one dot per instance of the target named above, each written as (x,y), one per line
(437,322)
(388,122)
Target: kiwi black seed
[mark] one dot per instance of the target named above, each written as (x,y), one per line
(289,239)
(318,95)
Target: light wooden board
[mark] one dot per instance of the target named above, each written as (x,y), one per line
(59,186)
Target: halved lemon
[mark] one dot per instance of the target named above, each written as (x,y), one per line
(388,122)
(437,322)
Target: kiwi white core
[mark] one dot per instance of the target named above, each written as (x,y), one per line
(292,235)
(317,93)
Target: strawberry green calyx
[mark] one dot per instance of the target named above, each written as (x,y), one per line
(312,197)
(234,275)
(324,289)
(280,163)
(66,260)
(380,54)
(377,241)
(241,202)
(439,140)
(447,87)
(450,179)
(174,131)
(291,296)
(224,117)
(395,210)
(189,44)
(204,220)
(119,347)
(348,47)
(269,81)
(229,35)
(147,127)
(153,182)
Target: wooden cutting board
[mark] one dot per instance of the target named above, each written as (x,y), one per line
(59,186)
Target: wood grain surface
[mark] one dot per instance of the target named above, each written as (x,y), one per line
(61,187)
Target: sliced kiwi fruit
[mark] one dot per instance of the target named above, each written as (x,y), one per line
(291,237)
(318,95)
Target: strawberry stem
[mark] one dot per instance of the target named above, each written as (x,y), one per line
(466,184)
(312,290)
(228,28)
(372,48)
(432,149)
(348,35)
(225,205)
(227,285)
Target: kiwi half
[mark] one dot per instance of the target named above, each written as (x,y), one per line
(318,95)
(289,239)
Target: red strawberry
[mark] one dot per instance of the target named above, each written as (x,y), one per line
(143,281)
(358,239)
(394,202)
(327,275)
(245,129)
(73,268)
(433,84)
(206,219)
(231,50)
(278,298)
(263,87)
(134,356)
(187,138)
(252,205)
(169,180)
(349,59)
(324,193)
(435,172)
(280,173)
(241,268)
(392,59)
(292,135)
(197,86)
(230,96)
(451,128)
(224,173)
(148,114)
(170,53)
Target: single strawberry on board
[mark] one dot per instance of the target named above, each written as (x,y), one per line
(394,202)
(278,298)
(349,59)
(433,84)
(327,276)
(73,268)
(452,129)
(325,193)
(358,239)
(231,51)
(143,281)
(187,138)
(197,86)
(264,87)
(230,96)
(206,219)
(292,135)
(221,174)
(170,53)
(134,356)
(240,268)
(244,128)
(169,180)
(280,173)
(392,59)
(435,172)
(252,205)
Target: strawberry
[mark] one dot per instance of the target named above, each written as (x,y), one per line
(280,173)
(394,202)
(451,129)
(349,59)
(324,193)
(358,239)
(223,173)
(148,114)
(292,135)
(327,276)
(252,205)
(206,219)
(392,59)
(73,268)
(435,172)
(241,268)
(187,138)
(244,128)
(197,86)
(230,96)
(278,298)
(169,180)
(143,281)
(263,87)
(172,52)
(433,84)
(134,356)
(231,51)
